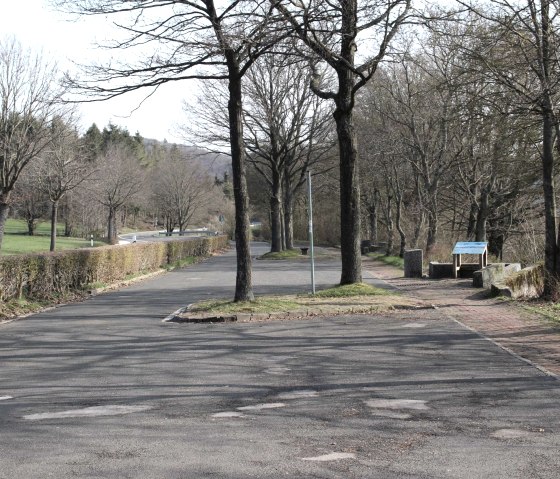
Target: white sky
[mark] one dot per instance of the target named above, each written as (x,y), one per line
(37,26)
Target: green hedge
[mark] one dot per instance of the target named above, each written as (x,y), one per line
(48,275)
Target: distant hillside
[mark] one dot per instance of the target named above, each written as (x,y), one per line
(215,163)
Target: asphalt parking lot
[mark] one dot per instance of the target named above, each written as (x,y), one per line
(104,389)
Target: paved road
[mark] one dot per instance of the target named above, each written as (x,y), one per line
(104,389)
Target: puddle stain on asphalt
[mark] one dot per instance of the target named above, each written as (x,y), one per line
(391,414)
(258,407)
(333,456)
(414,404)
(94,411)
(277,370)
(512,434)
(227,414)
(297,394)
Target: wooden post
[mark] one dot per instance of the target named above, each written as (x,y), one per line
(455,261)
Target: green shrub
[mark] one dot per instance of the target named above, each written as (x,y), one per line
(50,275)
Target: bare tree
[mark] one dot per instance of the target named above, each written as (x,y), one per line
(29,99)
(333,33)
(30,201)
(62,168)
(517,44)
(118,181)
(179,40)
(288,132)
(181,189)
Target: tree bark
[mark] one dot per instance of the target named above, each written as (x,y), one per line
(111,226)
(4,210)
(402,234)
(551,246)
(276,212)
(288,218)
(54,219)
(482,216)
(432,221)
(350,227)
(390,226)
(31,226)
(418,228)
(243,282)
(373,234)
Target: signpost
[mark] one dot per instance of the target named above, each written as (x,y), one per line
(311,232)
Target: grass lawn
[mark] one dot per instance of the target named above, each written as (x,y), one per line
(390,260)
(16,240)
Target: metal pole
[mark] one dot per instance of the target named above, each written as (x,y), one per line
(311,232)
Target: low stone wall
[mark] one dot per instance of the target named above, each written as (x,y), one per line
(438,270)
(527,283)
(445,270)
(494,273)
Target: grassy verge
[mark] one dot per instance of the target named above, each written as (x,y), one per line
(279,255)
(360,298)
(350,290)
(396,261)
(19,307)
(550,311)
(182,263)
(266,304)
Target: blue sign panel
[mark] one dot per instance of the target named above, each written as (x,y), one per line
(470,247)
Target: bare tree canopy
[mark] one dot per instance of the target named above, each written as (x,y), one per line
(30,99)
(351,37)
(62,168)
(180,40)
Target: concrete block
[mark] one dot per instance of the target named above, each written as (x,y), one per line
(413,261)
(477,279)
(498,272)
(440,270)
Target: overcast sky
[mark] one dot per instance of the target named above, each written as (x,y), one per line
(38,27)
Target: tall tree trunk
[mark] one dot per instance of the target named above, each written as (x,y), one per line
(551,256)
(31,226)
(169,226)
(243,282)
(551,246)
(350,227)
(390,226)
(111,226)
(432,226)
(373,218)
(4,210)
(482,216)
(276,212)
(402,234)
(288,216)
(282,232)
(471,225)
(54,219)
(418,228)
